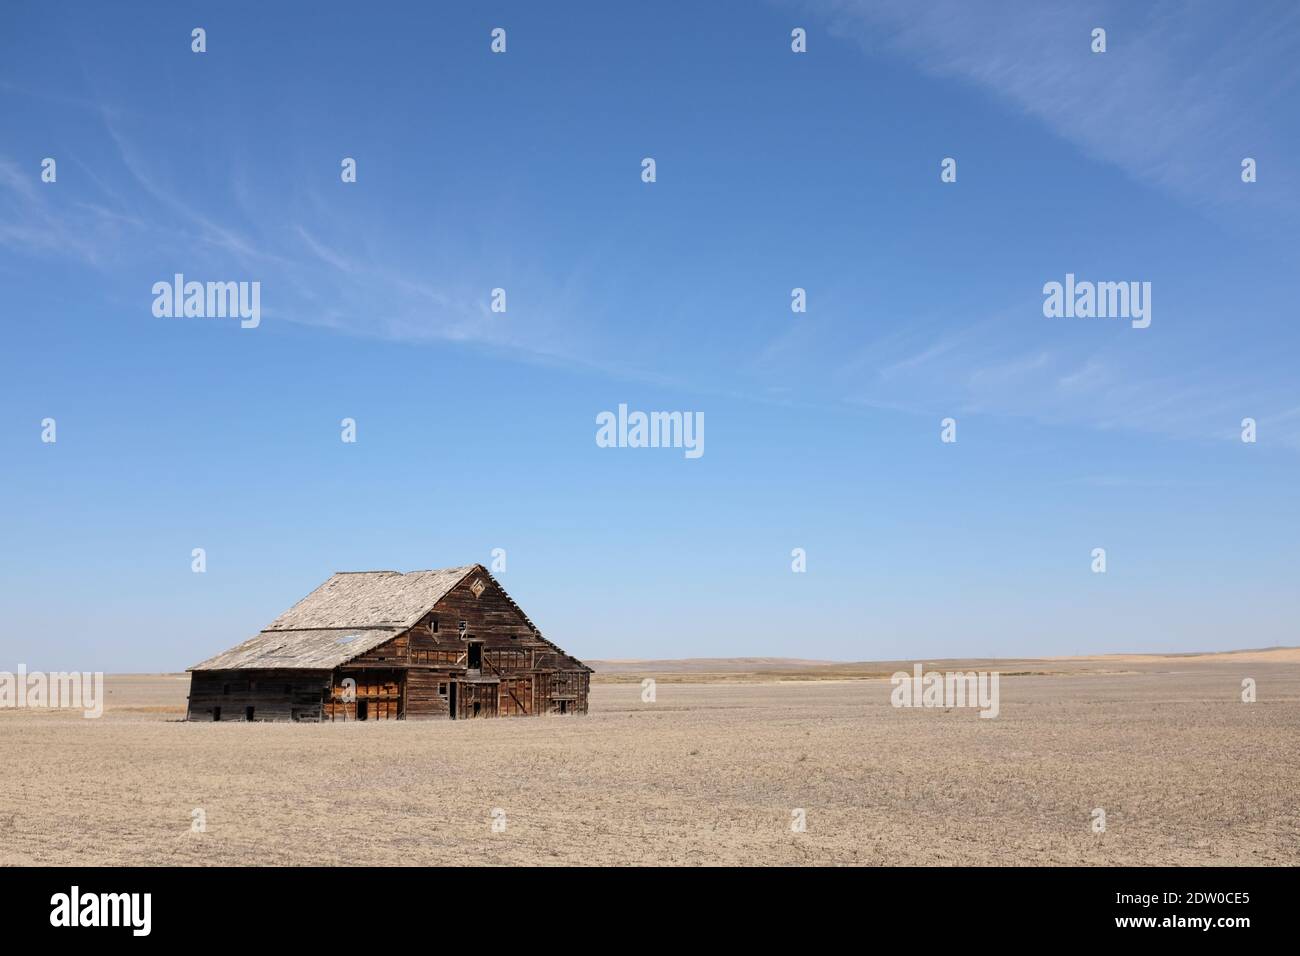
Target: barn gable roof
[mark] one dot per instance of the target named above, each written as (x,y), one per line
(317,649)
(351,613)
(371,599)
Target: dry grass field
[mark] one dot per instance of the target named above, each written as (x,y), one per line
(707,774)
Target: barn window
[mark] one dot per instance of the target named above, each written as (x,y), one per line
(433,625)
(225,688)
(442,688)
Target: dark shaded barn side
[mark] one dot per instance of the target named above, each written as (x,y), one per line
(351,651)
(257,695)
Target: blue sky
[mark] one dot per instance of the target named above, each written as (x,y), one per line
(774,170)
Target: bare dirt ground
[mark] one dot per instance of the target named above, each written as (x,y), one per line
(709,773)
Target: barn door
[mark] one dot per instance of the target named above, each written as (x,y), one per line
(453,698)
(515,695)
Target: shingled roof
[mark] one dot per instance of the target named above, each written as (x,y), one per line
(351,613)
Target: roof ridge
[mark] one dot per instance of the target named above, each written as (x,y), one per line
(454,567)
(332,627)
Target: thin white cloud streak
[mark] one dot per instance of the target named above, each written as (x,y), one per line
(339,278)
(329,283)
(1179,85)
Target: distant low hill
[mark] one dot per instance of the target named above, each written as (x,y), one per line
(794,668)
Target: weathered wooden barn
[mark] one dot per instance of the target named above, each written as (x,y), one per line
(381,645)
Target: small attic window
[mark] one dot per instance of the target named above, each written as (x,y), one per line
(478,587)
(433,625)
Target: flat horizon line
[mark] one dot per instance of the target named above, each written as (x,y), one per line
(1281,653)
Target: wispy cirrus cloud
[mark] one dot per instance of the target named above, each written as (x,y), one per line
(318,267)
(1182,94)
(1182,90)
(1159,105)
(30,223)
